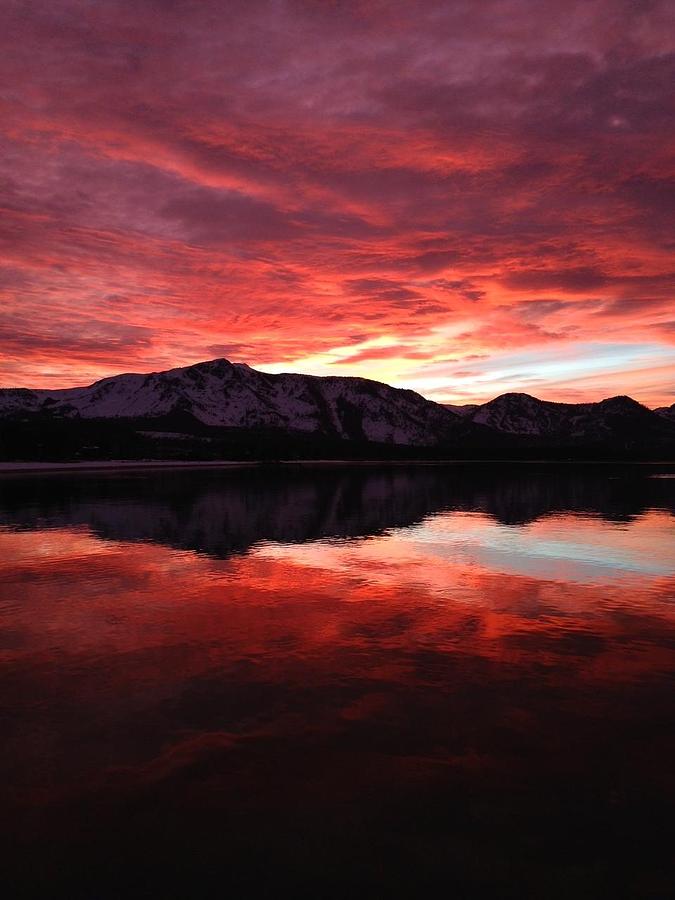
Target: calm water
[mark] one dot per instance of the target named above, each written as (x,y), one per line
(339,683)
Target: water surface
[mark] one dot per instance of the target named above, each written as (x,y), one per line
(345,680)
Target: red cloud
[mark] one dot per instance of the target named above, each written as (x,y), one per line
(183,181)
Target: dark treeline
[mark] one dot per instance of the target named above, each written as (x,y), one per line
(181,437)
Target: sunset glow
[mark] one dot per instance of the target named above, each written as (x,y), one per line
(461,198)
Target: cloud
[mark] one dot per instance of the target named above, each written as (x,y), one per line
(573,280)
(372,353)
(217,216)
(295,178)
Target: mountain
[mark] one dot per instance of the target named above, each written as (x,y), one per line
(668,412)
(219,409)
(221,394)
(526,415)
(464,409)
(619,423)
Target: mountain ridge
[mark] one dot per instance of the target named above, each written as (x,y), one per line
(224,394)
(217,395)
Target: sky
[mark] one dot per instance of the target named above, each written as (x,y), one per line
(463,197)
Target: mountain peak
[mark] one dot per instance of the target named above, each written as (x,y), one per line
(515,398)
(516,395)
(513,412)
(621,402)
(217,364)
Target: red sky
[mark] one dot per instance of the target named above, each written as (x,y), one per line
(464,197)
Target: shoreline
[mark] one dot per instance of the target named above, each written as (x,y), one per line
(115,466)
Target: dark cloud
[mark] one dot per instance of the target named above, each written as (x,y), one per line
(82,339)
(575,280)
(211,216)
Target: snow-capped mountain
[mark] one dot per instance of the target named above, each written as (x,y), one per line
(614,419)
(523,414)
(221,393)
(219,396)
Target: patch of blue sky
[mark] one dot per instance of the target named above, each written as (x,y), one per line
(551,364)
(576,360)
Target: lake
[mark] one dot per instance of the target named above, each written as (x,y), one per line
(339,681)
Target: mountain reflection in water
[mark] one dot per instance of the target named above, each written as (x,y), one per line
(339,680)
